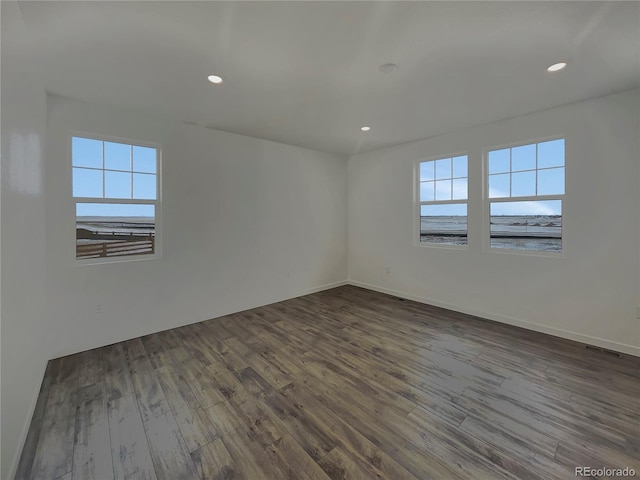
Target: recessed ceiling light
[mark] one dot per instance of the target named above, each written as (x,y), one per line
(365,129)
(215,79)
(556,67)
(388,68)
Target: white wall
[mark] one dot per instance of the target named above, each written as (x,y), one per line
(590,294)
(23,346)
(246,222)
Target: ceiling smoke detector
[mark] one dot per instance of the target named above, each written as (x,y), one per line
(388,68)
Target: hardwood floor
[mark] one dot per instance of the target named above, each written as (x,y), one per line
(342,384)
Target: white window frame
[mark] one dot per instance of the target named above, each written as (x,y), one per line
(418,203)
(536,198)
(157,202)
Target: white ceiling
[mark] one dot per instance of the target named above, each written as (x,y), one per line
(306,73)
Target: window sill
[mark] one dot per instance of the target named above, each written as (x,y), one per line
(81,262)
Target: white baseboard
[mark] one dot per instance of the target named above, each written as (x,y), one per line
(557,332)
(327,286)
(251,306)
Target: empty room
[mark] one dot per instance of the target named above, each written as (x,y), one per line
(320,240)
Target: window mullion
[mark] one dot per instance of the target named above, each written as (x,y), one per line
(537,198)
(510,172)
(451,179)
(104,188)
(131,166)
(536,169)
(444,202)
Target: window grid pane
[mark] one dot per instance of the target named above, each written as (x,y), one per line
(86,153)
(117,156)
(443,169)
(427,190)
(500,185)
(427,171)
(523,184)
(499,161)
(144,186)
(117,184)
(551,154)
(525,171)
(523,158)
(460,189)
(114,163)
(460,167)
(88,183)
(144,159)
(551,181)
(443,189)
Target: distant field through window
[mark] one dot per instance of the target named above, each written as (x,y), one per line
(115,190)
(443,193)
(526,191)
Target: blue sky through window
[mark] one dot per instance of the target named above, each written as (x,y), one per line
(114,210)
(107,170)
(499,161)
(87,183)
(444,180)
(86,152)
(523,184)
(144,159)
(446,210)
(460,166)
(543,207)
(117,156)
(521,171)
(443,168)
(551,154)
(528,171)
(523,158)
(551,181)
(144,186)
(117,185)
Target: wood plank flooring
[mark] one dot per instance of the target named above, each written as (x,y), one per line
(342,384)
